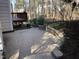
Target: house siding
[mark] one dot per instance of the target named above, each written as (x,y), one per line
(5,15)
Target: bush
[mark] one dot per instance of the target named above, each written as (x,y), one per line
(57,25)
(40,21)
(33,21)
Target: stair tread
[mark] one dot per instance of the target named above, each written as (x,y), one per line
(40,56)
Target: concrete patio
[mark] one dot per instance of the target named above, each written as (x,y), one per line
(18,44)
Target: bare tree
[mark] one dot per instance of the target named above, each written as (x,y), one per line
(64,9)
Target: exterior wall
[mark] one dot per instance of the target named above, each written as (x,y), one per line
(1,43)
(5,15)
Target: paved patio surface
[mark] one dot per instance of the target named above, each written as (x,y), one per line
(19,43)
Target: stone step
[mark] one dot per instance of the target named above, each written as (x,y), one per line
(51,49)
(36,49)
(46,55)
(57,53)
(40,56)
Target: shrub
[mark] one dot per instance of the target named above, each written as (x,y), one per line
(40,21)
(57,25)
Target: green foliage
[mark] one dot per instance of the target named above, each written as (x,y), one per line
(21,1)
(57,25)
(20,4)
(40,21)
(33,21)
